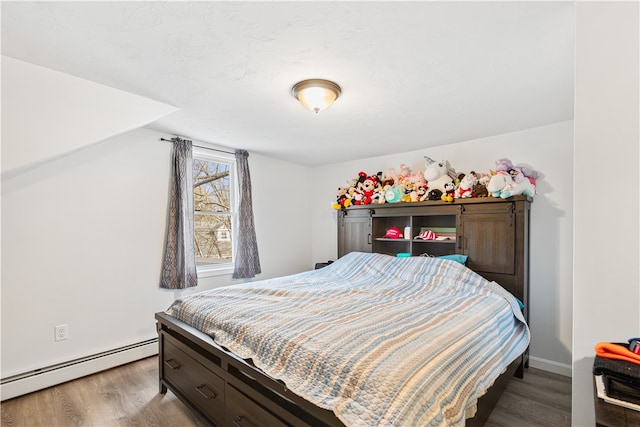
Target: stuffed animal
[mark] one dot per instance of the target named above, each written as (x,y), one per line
(434,195)
(499,180)
(467,186)
(418,193)
(402,174)
(503,185)
(367,189)
(518,172)
(521,185)
(422,193)
(380,194)
(355,195)
(480,189)
(394,194)
(531,174)
(342,199)
(357,182)
(404,190)
(417,179)
(437,174)
(389,177)
(504,165)
(449,192)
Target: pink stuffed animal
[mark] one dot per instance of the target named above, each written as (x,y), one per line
(402,174)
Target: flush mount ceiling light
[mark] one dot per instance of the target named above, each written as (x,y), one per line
(316,94)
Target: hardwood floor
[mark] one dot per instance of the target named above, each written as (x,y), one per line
(541,399)
(128,396)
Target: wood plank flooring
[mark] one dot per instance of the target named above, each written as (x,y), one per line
(541,399)
(128,396)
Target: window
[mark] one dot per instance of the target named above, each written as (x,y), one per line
(213,210)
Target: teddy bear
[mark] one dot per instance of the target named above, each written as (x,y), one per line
(480,189)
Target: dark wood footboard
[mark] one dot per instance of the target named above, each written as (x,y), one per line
(225,389)
(229,391)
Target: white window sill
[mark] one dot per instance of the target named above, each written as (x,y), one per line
(211,271)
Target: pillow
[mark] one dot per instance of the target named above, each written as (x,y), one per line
(462,259)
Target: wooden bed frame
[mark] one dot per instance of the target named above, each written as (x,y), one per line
(230,391)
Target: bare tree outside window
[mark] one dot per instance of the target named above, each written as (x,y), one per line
(212,202)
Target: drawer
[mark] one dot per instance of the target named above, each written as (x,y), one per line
(244,412)
(199,385)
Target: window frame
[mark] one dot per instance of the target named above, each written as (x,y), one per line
(215,155)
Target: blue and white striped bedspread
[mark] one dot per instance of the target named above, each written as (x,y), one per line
(378,340)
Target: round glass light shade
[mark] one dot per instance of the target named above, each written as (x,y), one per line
(316,94)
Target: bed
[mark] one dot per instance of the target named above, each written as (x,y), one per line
(371,339)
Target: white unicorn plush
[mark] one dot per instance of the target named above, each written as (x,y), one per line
(503,185)
(437,174)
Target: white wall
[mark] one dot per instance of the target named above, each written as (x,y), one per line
(549,150)
(282,219)
(84,214)
(606,293)
(82,240)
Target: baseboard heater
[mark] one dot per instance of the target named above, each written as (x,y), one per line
(27,382)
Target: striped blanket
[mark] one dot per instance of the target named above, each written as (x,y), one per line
(378,340)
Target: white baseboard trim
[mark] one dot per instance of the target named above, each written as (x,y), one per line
(550,366)
(17,385)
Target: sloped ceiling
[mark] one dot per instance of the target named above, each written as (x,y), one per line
(47,114)
(413,74)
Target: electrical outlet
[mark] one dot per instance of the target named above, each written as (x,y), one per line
(61,332)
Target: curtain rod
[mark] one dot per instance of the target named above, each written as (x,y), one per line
(200,146)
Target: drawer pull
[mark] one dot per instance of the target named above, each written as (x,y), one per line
(171,365)
(202,389)
(237,423)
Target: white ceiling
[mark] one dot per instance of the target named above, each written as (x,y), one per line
(413,74)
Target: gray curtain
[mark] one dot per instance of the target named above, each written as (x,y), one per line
(247,262)
(179,265)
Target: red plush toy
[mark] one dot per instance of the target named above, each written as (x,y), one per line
(368,190)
